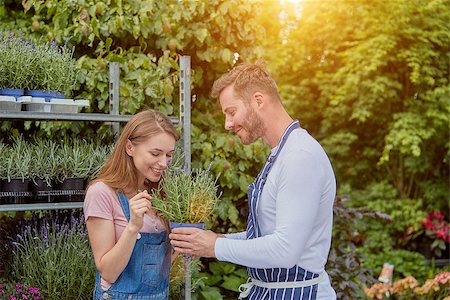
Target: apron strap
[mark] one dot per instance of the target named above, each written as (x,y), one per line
(245,288)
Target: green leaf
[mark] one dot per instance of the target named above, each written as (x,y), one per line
(232,282)
(201,34)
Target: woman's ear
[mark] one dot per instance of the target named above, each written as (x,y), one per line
(129,148)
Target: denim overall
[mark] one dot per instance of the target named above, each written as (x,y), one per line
(146,275)
(275,275)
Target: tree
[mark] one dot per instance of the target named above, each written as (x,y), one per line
(370,80)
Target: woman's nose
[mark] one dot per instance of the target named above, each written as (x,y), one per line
(163,162)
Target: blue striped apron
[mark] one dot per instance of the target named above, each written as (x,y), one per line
(271,275)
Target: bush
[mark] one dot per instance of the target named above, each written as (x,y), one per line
(345,264)
(56,257)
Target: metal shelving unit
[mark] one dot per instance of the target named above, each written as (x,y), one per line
(114,74)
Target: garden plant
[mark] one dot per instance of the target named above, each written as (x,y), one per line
(368,79)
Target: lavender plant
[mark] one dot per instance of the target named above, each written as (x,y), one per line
(54,68)
(186,197)
(36,66)
(56,257)
(15,61)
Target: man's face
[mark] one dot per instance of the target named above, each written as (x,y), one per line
(240,117)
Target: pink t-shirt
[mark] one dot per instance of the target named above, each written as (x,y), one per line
(101,201)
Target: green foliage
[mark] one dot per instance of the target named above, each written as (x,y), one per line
(44,164)
(14,61)
(40,158)
(238,165)
(26,64)
(368,79)
(17,159)
(221,282)
(405,263)
(372,85)
(345,265)
(56,258)
(179,269)
(145,38)
(186,197)
(406,215)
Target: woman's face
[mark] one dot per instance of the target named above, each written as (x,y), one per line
(152,156)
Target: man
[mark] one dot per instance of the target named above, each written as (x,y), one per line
(288,236)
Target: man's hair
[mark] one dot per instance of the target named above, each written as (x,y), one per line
(246,80)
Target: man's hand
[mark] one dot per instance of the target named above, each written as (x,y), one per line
(193,241)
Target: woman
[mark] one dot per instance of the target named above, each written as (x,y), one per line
(128,240)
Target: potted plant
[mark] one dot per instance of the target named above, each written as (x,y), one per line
(99,153)
(17,165)
(42,165)
(15,62)
(43,70)
(54,71)
(75,162)
(186,199)
(3,159)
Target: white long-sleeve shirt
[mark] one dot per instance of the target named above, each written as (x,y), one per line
(294,213)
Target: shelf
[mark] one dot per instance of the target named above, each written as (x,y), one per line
(43,193)
(40,206)
(31,115)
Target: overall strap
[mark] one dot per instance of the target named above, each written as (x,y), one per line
(124,203)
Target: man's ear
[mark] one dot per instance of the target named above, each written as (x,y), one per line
(258,98)
(129,148)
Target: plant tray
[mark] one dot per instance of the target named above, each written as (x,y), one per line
(56,105)
(10,103)
(38,104)
(68,105)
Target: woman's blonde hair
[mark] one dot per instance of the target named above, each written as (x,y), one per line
(119,171)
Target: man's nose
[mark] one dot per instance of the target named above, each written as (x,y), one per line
(228,124)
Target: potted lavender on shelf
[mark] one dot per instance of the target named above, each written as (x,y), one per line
(15,62)
(42,69)
(54,72)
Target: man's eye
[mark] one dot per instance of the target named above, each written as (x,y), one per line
(154,153)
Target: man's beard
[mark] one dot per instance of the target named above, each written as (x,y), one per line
(253,127)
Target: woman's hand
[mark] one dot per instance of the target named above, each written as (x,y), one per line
(140,204)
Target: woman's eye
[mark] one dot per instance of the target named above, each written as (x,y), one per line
(154,153)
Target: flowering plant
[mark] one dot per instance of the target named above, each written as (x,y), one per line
(437,229)
(36,66)
(408,288)
(55,251)
(19,291)
(14,61)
